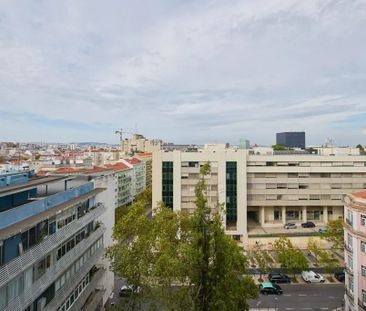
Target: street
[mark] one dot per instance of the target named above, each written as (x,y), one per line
(303,297)
(295,297)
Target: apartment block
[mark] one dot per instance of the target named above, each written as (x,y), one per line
(259,190)
(355,251)
(300,188)
(176,173)
(51,243)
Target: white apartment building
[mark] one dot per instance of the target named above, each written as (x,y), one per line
(260,190)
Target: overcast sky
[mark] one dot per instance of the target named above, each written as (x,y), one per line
(189,71)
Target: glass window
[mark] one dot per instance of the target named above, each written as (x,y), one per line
(363,247)
(363,220)
(363,271)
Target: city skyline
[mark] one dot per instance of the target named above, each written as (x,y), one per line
(184,72)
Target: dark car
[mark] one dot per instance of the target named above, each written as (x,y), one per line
(278,278)
(268,288)
(308,224)
(339,276)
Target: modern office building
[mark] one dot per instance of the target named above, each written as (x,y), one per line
(260,190)
(291,139)
(51,243)
(355,251)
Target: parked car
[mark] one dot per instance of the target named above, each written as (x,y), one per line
(323,229)
(278,278)
(312,277)
(340,276)
(308,224)
(290,225)
(127,290)
(268,288)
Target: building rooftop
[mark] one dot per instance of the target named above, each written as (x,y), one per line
(360,194)
(31,183)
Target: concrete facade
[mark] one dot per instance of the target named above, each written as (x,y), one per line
(51,244)
(355,250)
(271,189)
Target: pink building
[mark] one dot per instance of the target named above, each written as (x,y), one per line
(355,250)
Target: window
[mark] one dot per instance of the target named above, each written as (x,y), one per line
(364,297)
(363,247)
(363,271)
(363,220)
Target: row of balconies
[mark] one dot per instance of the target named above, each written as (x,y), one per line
(69,286)
(54,272)
(31,256)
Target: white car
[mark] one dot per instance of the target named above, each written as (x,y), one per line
(312,277)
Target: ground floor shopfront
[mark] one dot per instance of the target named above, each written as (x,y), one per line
(274,216)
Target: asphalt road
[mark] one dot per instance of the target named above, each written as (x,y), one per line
(303,297)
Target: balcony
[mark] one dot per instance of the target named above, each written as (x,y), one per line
(69,287)
(92,295)
(348,248)
(349,270)
(362,305)
(349,222)
(53,273)
(350,295)
(31,256)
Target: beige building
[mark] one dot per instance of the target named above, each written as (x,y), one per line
(138,143)
(260,190)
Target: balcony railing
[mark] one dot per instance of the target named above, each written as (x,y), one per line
(52,274)
(70,285)
(362,305)
(350,295)
(349,270)
(80,303)
(348,248)
(31,256)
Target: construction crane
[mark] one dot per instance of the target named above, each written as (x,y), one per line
(120,131)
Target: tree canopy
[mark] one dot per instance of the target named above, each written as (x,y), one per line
(290,258)
(334,233)
(181,261)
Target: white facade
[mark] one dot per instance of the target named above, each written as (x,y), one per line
(271,189)
(186,164)
(107,181)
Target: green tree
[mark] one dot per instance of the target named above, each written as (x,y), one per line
(279,147)
(334,233)
(327,261)
(290,258)
(264,266)
(218,264)
(313,247)
(362,149)
(179,260)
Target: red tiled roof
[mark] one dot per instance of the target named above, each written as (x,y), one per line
(117,167)
(360,194)
(132,161)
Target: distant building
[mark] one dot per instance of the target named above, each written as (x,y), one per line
(355,250)
(138,143)
(244,144)
(291,139)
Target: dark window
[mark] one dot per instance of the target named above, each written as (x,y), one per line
(231,192)
(167,183)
